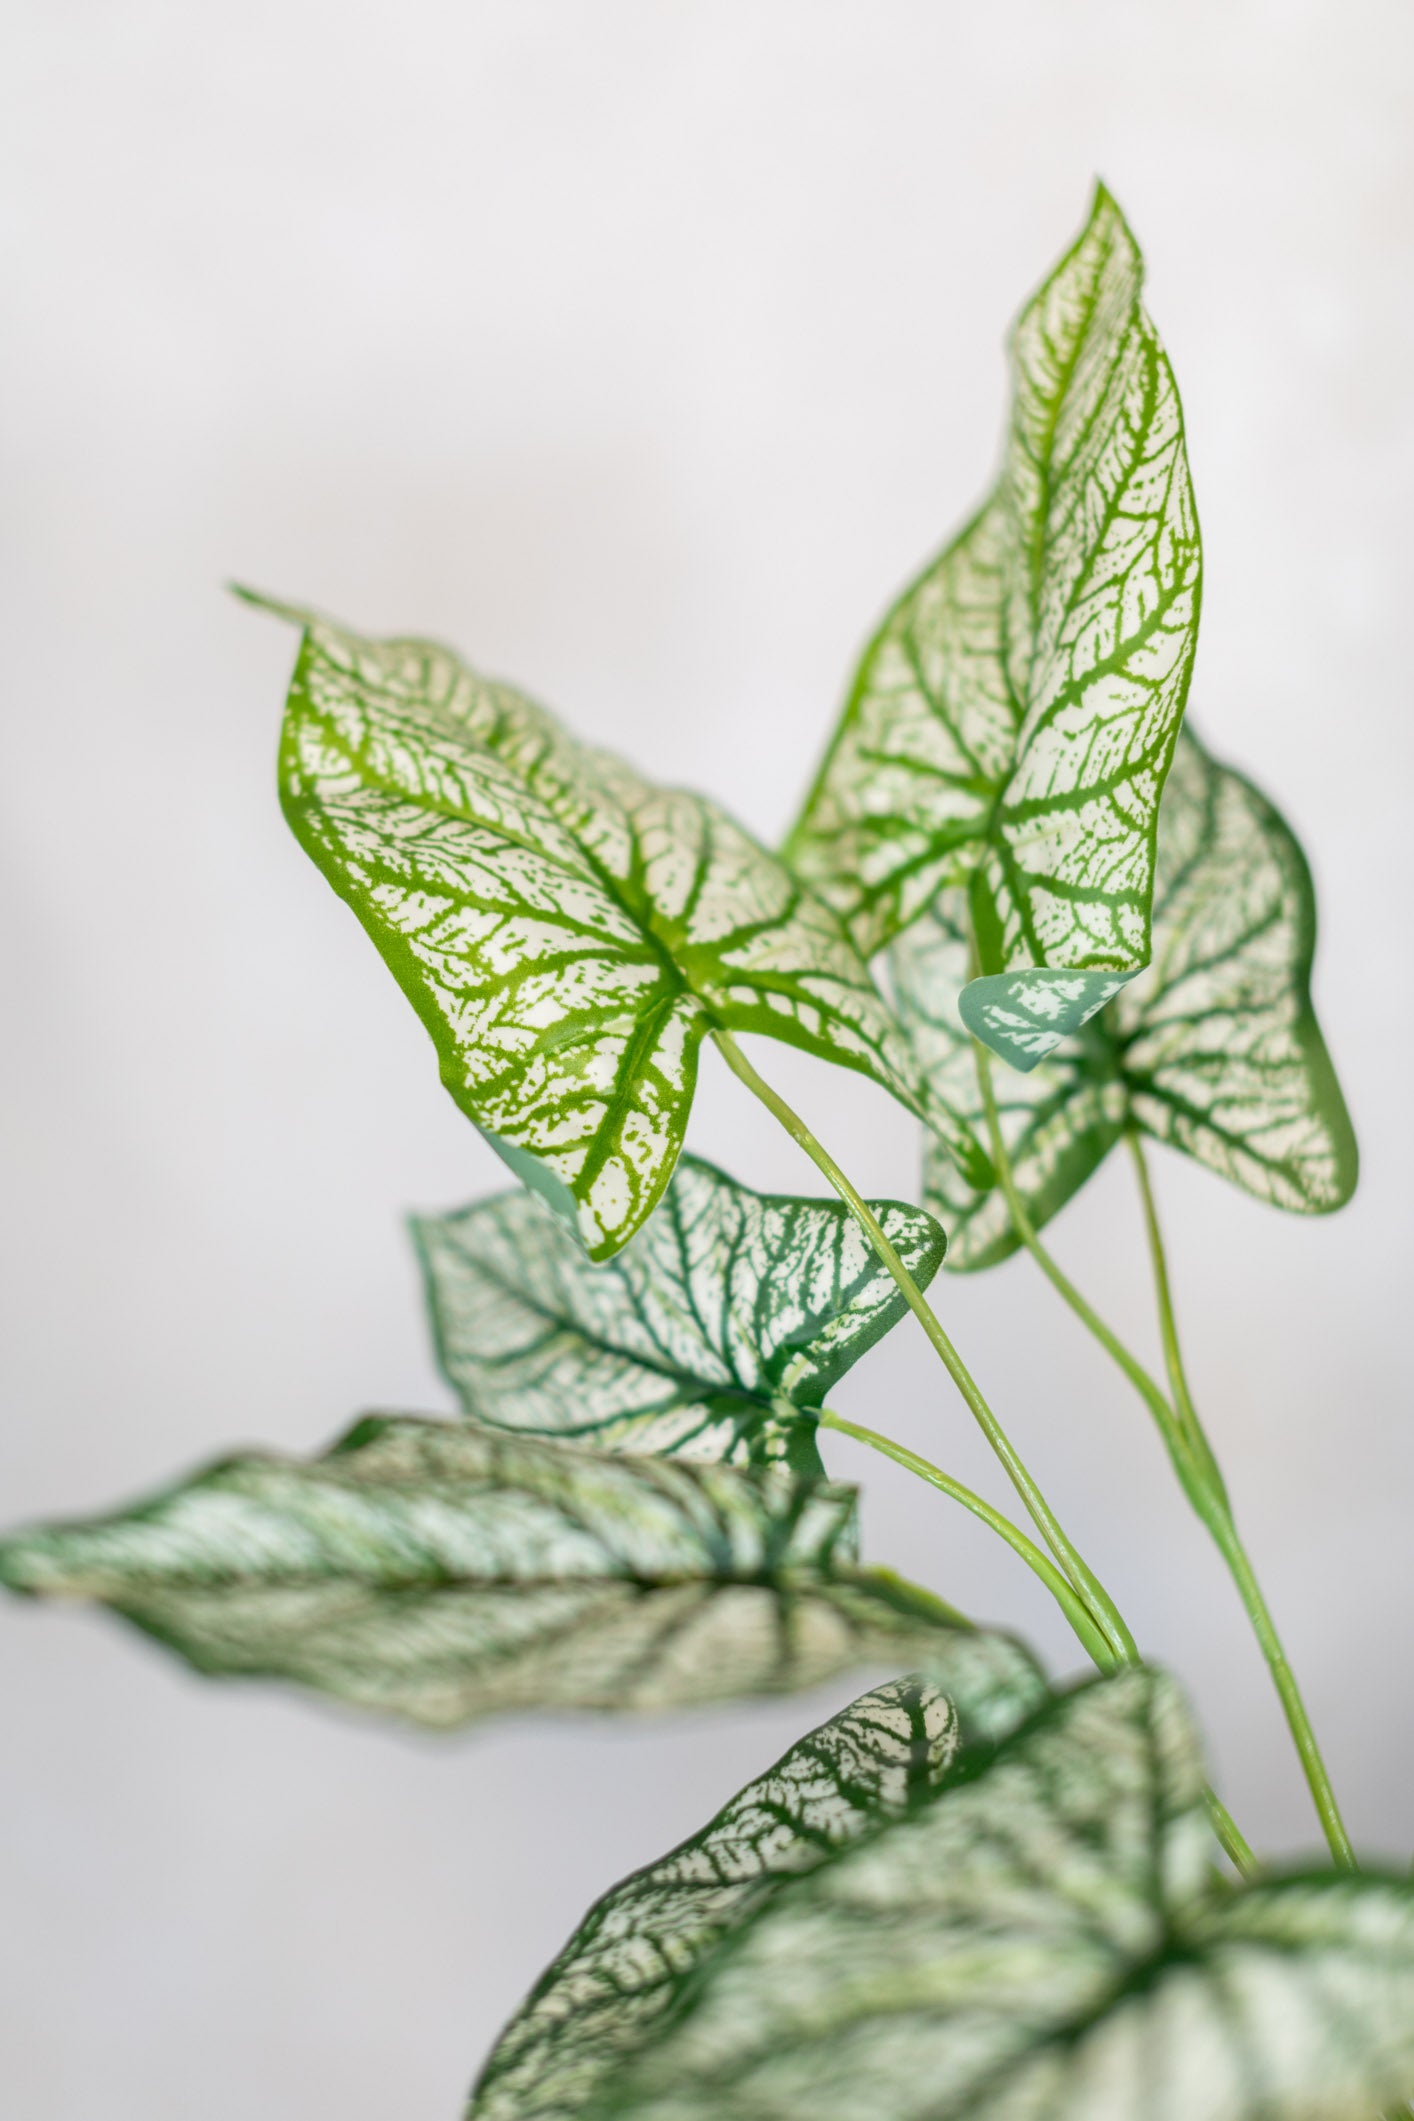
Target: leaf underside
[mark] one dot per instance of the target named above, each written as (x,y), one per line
(712,1336)
(1012,722)
(1214,1048)
(1025,1930)
(567,932)
(445,1571)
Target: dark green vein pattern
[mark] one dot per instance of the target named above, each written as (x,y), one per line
(1013,719)
(622,1975)
(567,932)
(729,1313)
(1030,1933)
(1214,1048)
(443,1571)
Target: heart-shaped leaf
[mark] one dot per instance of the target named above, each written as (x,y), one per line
(567,932)
(443,1571)
(1013,719)
(1026,1931)
(728,1318)
(1214,1048)
(620,1979)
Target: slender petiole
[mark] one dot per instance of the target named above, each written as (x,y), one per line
(1101,1606)
(1234,1553)
(1040,1564)
(1103,1621)
(1188,1447)
(1229,1834)
(1168,1329)
(1148,1389)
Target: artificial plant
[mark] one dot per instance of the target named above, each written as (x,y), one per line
(1023,899)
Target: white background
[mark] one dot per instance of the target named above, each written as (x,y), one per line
(643,350)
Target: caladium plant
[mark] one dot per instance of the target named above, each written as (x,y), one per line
(974,1890)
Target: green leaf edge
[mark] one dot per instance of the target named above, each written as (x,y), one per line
(401,962)
(889,1314)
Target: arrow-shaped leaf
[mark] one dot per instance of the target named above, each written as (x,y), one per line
(729,1316)
(620,1979)
(443,1571)
(1214,1048)
(1026,1932)
(567,932)
(1013,719)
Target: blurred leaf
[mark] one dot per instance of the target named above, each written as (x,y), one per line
(1214,1048)
(1013,719)
(443,1571)
(728,1315)
(622,1976)
(566,931)
(1026,1931)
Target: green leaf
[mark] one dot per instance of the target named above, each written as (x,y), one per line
(1026,1931)
(1013,719)
(1214,1048)
(730,1316)
(619,1980)
(444,1571)
(567,932)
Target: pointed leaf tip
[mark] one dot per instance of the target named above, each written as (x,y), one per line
(1013,720)
(1024,1016)
(894,1923)
(1214,1047)
(715,1335)
(567,932)
(296,614)
(444,1571)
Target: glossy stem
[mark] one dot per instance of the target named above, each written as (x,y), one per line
(1149,1390)
(1223,1824)
(1188,1447)
(1040,1564)
(1102,1619)
(1083,1579)
(1230,1834)
(1220,1522)
(1187,1413)
(1080,1574)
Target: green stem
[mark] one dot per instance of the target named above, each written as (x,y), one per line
(1096,1618)
(1082,1577)
(1284,1679)
(1148,1389)
(1188,1447)
(1221,1523)
(1229,1834)
(1187,1413)
(1059,1587)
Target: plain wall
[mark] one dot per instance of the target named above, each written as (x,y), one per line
(643,351)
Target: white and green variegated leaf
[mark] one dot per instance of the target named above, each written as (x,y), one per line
(620,1979)
(444,1571)
(1013,719)
(567,932)
(712,1336)
(1214,1048)
(1029,1930)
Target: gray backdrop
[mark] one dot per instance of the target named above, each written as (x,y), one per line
(643,351)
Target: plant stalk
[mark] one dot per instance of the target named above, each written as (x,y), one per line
(1059,1586)
(1193,1430)
(1222,1525)
(1188,1447)
(1095,1617)
(1101,1606)
(1230,1836)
